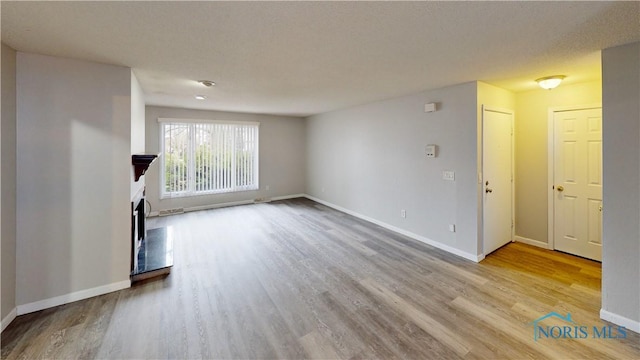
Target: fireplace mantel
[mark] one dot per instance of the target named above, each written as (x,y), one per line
(141,163)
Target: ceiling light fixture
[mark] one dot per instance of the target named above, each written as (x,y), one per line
(200,97)
(550,82)
(207,83)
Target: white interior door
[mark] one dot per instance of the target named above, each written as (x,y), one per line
(497,178)
(578,182)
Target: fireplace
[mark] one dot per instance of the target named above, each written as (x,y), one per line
(140,164)
(152,250)
(138,227)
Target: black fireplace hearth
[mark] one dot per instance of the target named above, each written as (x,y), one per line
(151,250)
(155,257)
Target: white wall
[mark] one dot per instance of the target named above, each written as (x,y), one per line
(137,130)
(531,135)
(282,157)
(73,175)
(8,184)
(370,160)
(621,191)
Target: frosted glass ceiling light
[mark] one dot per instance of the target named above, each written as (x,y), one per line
(550,82)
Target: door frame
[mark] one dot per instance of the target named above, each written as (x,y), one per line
(551,164)
(481,175)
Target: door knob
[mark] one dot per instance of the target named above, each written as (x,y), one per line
(560,188)
(487,190)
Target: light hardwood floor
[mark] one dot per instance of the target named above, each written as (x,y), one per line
(295,279)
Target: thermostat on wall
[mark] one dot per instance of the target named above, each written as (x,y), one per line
(430,150)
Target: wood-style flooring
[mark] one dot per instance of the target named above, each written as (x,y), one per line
(295,279)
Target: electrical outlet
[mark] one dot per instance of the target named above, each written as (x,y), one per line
(268,187)
(403,213)
(452,227)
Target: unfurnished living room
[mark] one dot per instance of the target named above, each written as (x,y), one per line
(320,180)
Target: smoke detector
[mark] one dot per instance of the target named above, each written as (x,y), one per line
(207,83)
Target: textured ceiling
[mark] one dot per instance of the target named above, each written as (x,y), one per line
(302,58)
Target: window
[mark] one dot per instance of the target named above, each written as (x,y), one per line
(207,157)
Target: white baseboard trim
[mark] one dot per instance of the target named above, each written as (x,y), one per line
(231,203)
(620,320)
(69,298)
(436,244)
(287,197)
(532,242)
(9,318)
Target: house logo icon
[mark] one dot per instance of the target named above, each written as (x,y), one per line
(546,332)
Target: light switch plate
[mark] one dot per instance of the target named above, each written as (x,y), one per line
(448,175)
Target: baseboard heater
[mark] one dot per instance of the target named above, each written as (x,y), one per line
(171,212)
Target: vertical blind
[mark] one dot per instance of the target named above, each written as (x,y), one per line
(208,157)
